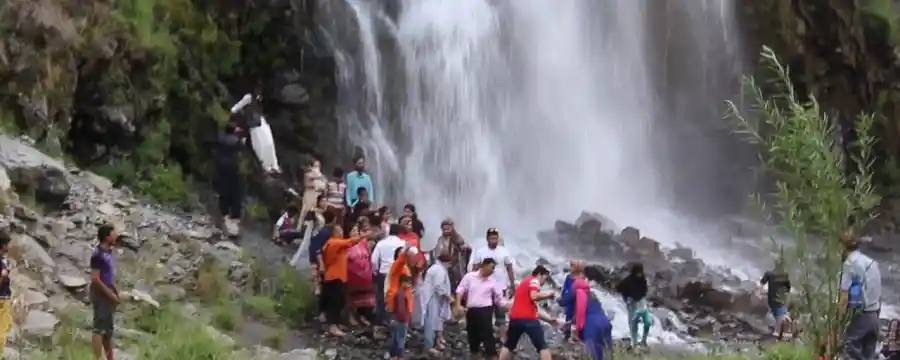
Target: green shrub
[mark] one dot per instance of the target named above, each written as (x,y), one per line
(815,200)
(293,295)
(261,306)
(226,316)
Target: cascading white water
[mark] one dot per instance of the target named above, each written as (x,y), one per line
(514,113)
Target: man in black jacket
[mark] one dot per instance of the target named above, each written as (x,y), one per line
(228,183)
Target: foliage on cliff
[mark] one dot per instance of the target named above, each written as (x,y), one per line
(845,53)
(137,88)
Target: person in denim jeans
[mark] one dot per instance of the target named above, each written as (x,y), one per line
(402,311)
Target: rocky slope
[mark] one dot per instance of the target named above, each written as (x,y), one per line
(135,89)
(171,267)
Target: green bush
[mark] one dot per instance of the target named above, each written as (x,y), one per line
(815,200)
(293,295)
(261,306)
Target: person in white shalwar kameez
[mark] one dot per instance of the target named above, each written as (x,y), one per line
(435,297)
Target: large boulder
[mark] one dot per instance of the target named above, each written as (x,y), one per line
(33,173)
(48,185)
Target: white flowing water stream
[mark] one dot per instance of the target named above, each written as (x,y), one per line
(515,113)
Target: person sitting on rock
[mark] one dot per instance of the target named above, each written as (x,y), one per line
(360,207)
(335,260)
(634,289)
(591,324)
(779,286)
(286,226)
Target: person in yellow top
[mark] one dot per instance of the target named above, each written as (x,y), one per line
(334,261)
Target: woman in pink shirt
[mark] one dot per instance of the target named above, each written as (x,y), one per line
(480,294)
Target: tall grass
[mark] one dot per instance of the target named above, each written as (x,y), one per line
(816,198)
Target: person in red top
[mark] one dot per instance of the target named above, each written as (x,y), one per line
(402,303)
(524,317)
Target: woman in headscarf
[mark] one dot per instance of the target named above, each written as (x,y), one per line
(453,244)
(435,299)
(576,268)
(591,324)
(360,287)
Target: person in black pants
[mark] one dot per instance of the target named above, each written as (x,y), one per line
(228,182)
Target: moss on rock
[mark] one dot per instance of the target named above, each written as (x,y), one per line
(137,88)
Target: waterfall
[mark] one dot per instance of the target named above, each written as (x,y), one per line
(515,113)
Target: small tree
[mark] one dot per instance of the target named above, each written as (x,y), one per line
(814,198)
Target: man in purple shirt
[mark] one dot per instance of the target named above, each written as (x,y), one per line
(103,293)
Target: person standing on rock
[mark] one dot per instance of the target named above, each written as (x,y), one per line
(481,295)
(591,324)
(524,316)
(503,274)
(575,270)
(454,245)
(6,305)
(314,185)
(336,191)
(401,308)
(860,287)
(634,290)
(103,293)
(779,287)
(416,264)
(435,298)
(228,182)
(334,288)
(382,259)
(417,226)
(359,178)
(360,288)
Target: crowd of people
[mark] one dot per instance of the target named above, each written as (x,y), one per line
(369,269)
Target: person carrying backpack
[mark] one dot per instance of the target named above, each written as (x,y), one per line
(860,287)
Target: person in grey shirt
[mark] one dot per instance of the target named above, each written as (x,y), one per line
(861,291)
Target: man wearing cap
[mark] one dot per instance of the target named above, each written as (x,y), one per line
(861,292)
(503,272)
(6,319)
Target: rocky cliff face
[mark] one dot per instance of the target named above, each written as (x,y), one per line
(845,54)
(136,89)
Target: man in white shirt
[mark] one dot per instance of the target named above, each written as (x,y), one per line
(382,258)
(503,272)
(861,292)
